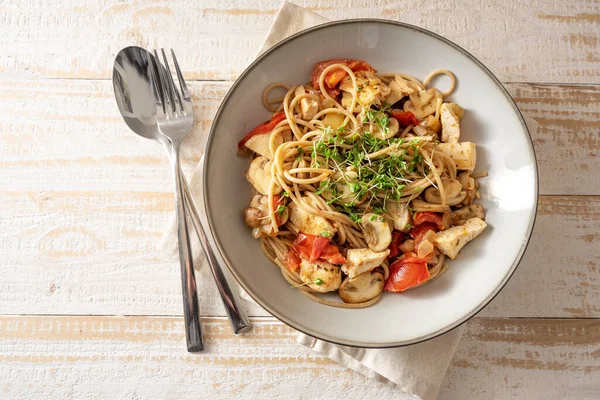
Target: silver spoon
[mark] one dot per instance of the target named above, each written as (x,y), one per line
(133,92)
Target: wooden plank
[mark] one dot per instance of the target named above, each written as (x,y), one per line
(40,118)
(526,359)
(550,41)
(124,357)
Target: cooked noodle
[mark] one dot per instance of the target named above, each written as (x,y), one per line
(316,155)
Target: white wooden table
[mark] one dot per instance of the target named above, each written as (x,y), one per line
(90,308)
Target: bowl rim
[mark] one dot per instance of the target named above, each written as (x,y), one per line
(285,319)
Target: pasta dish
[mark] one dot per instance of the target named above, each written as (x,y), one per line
(361,182)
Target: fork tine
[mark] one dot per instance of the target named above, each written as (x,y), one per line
(184,90)
(173,92)
(155,84)
(162,79)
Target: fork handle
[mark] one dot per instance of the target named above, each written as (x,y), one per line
(237,316)
(191,315)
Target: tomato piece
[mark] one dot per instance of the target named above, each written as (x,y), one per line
(292,260)
(426,216)
(396,241)
(405,118)
(332,255)
(419,231)
(319,244)
(406,273)
(263,128)
(312,248)
(303,245)
(278,201)
(334,77)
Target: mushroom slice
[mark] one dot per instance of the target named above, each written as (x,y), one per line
(363,288)
(310,223)
(453,190)
(362,260)
(259,175)
(400,215)
(344,191)
(377,232)
(450,114)
(423,103)
(320,276)
(389,131)
(452,240)
(420,205)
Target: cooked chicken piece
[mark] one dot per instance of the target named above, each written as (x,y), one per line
(371,90)
(260,144)
(376,231)
(450,115)
(461,215)
(400,214)
(259,175)
(391,131)
(308,222)
(362,260)
(320,276)
(308,107)
(464,154)
(431,123)
(423,103)
(452,240)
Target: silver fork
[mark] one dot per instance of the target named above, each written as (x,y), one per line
(175,118)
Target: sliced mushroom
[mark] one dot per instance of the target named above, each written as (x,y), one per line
(400,215)
(344,190)
(388,132)
(320,276)
(407,87)
(423,103)
(253,217)
(452,189)
(450,114)
(259,175)
(377,232)
(363,288)
(420,205)
(362,260)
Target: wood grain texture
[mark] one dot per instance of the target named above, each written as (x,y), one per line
(547,41)
(82,209)
(144,357)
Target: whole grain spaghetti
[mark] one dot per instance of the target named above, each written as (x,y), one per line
(361,182)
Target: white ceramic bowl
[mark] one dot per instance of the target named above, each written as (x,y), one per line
(504,148)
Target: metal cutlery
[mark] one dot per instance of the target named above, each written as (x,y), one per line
(153,107)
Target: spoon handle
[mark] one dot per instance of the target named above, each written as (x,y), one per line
(191,315)
(237,316)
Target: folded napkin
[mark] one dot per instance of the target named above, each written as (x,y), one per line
(416,370)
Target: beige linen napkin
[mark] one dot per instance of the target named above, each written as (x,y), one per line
(416,370)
